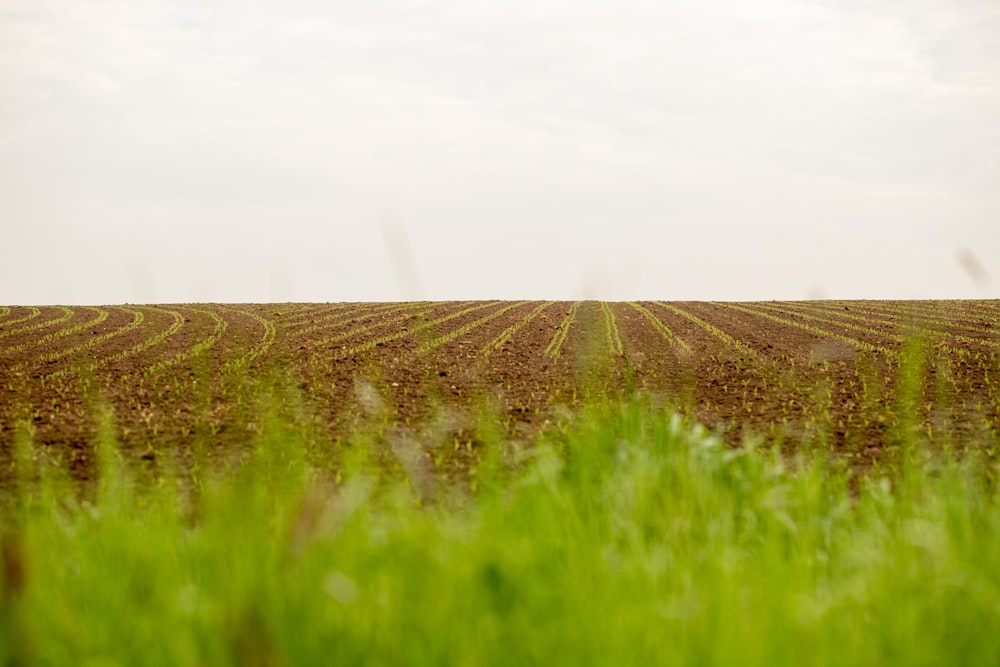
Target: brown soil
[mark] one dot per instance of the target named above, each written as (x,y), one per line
(430,372)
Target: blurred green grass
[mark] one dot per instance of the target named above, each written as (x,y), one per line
(625,535)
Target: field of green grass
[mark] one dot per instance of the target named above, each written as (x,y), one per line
(624,536)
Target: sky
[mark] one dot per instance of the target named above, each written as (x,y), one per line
(189,151)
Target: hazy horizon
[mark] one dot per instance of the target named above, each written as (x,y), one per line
(173,151)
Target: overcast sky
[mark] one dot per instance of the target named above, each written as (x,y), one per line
(710,149)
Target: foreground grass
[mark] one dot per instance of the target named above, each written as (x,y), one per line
(627,537)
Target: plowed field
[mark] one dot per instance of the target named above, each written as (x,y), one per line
(187,376)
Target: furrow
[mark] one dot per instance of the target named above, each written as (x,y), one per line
(555,345)
(363,329)
(32,314)
(62,333)
(154,340)
(781,309)
(137,319)
(313,311)
(66,314)
(261,348)
(924,325)
(611,330)
(659,326)
(510,331)
(368,345)
(361,314)
(895,337)
(713,330)
(328,318)
(452,335)
(198,348)
(961,313)
(860,344)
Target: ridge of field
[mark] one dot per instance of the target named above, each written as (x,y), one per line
(62,314)
(961,362)
(979,332)
(33,312)
(180,376)
(562,330)
(510,331)
(65,331)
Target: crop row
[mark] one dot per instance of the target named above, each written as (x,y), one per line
(819,331)
(137,319)
(866,391)
(508,333)
(659,326)
(308,314)
(555,345)
(866,327)
(198,348)
(356,331)
(934,330)
(33,312)
(922,325)
(66,313)
(177,321)
(357,314)
(258,350)
(956,312)
(89,344)
(381,340)
(61,333)
(429,345)
(611,330)
(331,317)
(719,334)
(915,315)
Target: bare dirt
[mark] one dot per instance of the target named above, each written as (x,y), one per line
(174,380)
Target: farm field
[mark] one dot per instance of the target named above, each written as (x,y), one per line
(186,377)
(496,483)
